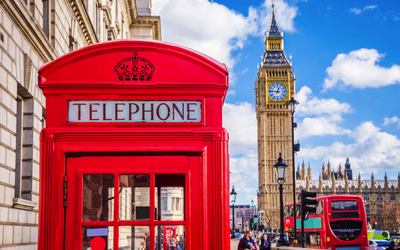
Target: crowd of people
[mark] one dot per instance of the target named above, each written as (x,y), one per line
(253,242)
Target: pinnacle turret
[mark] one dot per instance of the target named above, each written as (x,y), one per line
(273,31)
(274,55)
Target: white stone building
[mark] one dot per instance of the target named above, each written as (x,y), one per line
(34,32)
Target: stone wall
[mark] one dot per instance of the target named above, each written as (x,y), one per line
(34,32)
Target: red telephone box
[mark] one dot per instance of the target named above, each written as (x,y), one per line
(133,145)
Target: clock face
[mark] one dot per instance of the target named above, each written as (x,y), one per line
(277,91)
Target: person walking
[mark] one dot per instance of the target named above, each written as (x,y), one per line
(391,246)
(172,243)
(146,240)
(246,242)
(265,243)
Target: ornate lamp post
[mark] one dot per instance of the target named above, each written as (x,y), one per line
(233,201)
(280,168)
(252,204)
(296,147)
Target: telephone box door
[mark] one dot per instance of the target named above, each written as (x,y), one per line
(131,202)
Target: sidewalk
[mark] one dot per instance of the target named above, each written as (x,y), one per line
(234,244)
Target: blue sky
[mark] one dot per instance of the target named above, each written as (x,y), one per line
(346,59)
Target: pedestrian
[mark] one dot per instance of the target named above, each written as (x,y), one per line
(172,243)
(265,243)
(246,242)
(255,239)
(392,245)
(146,240)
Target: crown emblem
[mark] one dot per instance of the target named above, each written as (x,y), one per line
(134,69)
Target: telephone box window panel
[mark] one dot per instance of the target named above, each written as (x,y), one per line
(134,237)
(134,197)
(98,197)
(97,238)
(169,237)
(172,203)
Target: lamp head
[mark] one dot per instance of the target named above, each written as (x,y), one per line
(292,104)
(280,168)
(233,195)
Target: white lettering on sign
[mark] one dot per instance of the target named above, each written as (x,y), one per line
(134,111)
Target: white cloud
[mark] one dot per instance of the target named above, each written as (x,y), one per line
(244,168)
(215,30)
(284,14)
(371,151)
(358,69)
(321,116)
(390,121)
(319,106)
(359,11)
(319,126)
(240,121)
(206,26)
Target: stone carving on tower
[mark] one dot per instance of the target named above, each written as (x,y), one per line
(275,85)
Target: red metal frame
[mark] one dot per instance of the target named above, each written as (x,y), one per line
(180,74)
(89,165)
(326,231)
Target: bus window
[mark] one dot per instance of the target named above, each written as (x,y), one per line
(313,239)
(297,210)
(346,229)
(345,215)
(319,207)
(288,211)
(344,205)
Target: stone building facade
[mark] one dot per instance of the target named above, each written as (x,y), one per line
(32,33)
(243,211)
(275,85)
(378,195)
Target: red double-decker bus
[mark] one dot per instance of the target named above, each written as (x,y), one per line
(339,223)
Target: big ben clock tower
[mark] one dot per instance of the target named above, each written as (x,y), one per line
(275,86)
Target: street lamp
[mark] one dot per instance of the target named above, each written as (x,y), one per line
(252,204)
(233,201)
(280,168)
(251,207)
(296,147)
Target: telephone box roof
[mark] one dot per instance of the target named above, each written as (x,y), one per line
(110,54)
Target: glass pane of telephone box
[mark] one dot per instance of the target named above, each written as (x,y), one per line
(97,238)
(134,197)
(169,237)
(98,197)
(134,237)
(170,197)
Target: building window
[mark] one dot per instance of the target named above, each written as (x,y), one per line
(366,197)
(380,209)
(367,209)
(116,11)
(19,146)
(379,197)
(176,204)
(164,203)
(46,17)
(97,20)
(392,197)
